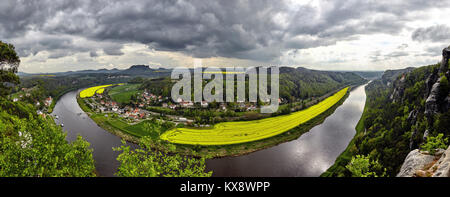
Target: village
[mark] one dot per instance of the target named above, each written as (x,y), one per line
(43,106)
(140,108)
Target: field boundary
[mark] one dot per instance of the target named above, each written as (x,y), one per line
(219,151)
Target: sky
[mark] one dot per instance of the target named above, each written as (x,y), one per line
(63,35)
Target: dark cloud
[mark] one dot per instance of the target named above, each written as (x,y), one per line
(380,56)
(93,54)
(436,33)
(434,50)
(255,29)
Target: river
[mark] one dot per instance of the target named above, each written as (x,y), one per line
(310,155)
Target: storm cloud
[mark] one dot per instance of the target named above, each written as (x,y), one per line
(436,33)
(260,30)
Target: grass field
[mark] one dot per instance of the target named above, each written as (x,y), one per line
(122,94)
(137,130)
(247,131)
(89,92)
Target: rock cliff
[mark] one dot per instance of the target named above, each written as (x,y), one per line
(423,164)
(419,163)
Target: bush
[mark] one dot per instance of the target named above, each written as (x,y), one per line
(434,143)
(362,166)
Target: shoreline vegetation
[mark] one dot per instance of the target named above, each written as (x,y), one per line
(237,132)
(346,156)
(215,151)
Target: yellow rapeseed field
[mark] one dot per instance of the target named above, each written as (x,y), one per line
(89,92)
(247,131)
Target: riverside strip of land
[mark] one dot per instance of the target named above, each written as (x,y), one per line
(288,129)
(248,131)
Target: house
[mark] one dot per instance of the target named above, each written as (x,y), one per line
(48,101)
(251,108)
(223,106)
(187,104)
(102,109)
(164,105)
(204,104)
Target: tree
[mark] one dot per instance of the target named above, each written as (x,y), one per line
(362,166)
(9,64)
(36,147)
(145,162)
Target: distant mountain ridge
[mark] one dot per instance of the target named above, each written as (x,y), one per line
(133,70)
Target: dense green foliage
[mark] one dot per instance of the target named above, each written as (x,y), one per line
(8,56)
(35,146)
(363,166)
(300,83)
(385,133)
(145,162)
(160,86)
(434,143)
(295,83)
(56,86)
(9,63)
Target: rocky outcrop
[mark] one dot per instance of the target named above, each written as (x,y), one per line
(412,117)
(422,164)
(413,162)
(442,166)
(431,80)
(431,104)
(412,142)
(425,135)
(399,89)
(445,58)
(447,103)
(418,163)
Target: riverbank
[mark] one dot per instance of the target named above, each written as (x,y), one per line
(220,150)
(345,157)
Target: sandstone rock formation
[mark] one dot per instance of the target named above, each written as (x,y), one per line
(413,162)
(445,58)
(423,164)
(431,104)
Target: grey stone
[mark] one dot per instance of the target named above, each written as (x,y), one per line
(425,135)
(446,106)
(445,58)
(412,117)
(413,162)
(442,166)
(431,79)
(431,104)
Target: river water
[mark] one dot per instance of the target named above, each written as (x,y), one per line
(309,155)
